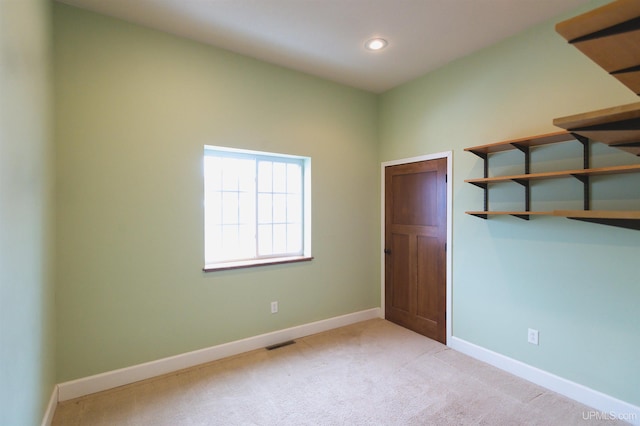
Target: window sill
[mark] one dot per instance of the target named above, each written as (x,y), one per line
(254,262)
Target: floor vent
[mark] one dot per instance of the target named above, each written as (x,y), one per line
(279,345)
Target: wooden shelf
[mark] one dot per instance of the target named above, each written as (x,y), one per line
(529,142)
(610,36)
(623,219)
(618,127)
(633,168)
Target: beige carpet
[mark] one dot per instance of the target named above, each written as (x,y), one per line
(371,373)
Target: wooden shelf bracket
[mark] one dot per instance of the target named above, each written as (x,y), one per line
(483,185)
(620,223)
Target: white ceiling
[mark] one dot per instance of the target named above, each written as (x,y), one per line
(326,37)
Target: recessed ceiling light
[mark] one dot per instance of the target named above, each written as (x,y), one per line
(376,44)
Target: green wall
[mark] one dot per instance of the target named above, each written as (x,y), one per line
(26,280)
(577,283)
(134,108)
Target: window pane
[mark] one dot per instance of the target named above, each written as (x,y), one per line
(213,243)
(247,242)
(230,174)
(213,208)
(279,208)
(279,239)
(246,175)
(294,178)
(230,239)
(229,208)
(265,240)
(246,208)
(265,208)
(212,174)
(294,238)
(264,176)
(279,177)
(294,208)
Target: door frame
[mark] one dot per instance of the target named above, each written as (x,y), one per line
(449,156)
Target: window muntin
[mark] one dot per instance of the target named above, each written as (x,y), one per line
(255,205)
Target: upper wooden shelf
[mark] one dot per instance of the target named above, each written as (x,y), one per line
(633,168)
(610,36)
(618,126)
(532,141)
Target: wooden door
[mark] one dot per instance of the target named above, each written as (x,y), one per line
(415,246)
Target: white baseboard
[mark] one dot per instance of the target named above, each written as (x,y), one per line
(51,407)
(608,405)
(135,373)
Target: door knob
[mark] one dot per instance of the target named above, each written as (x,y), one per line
(387,251)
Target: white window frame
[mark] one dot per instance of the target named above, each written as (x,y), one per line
(305,253)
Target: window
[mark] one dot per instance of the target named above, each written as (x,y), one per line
(256,207)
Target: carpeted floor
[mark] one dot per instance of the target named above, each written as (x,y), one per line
(371,373)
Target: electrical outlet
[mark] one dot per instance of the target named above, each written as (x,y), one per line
(274,307)
(532,336)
